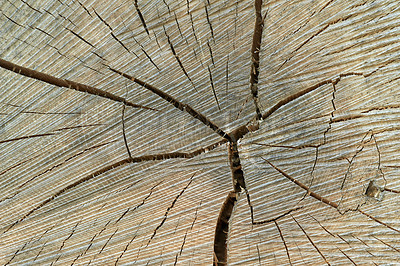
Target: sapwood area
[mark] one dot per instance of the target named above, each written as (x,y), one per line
(199,132)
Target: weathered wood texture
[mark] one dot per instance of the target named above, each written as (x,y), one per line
(328,88)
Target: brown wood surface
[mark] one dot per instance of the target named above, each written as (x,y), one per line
(87,176)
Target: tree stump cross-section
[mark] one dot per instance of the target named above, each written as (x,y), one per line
(199,132)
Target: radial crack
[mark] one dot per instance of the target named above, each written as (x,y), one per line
(141,16)
(383,242)
(28,137)
(222,229)
(123,132)
(311,193)
(284,242)
(255,57)
(347,256)
(191,20)
(30,73)
(162,156)
(209,23)
(379,221)
(312,242)
(178,59)
(113,35)
(81,38)
(179,105)
(169,209)
(213,89)
(140,204)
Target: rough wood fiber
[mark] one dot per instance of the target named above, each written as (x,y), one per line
(78,180)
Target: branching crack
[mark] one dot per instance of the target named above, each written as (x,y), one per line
(298,183)
(178,59)
(312,242)
(169,209)
(139,205)
(179,105)
(146,54)
(232,138)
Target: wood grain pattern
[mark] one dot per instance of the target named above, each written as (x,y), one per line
(323,109)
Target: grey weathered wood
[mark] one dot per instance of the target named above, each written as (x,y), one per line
(328,91)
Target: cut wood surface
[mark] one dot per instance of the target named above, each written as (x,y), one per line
(199,132)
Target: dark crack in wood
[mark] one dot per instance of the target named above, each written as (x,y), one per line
(81,38)
(87,11)
(140,204)
(124,133)
(181,249)
(127,245)
(28,137)
(392,190)
(63,243)
(255,56)
(277,217)
(191,20)
(222,230)
(310,240)
(211,53)
(378,221)
(30,73)
(78,127)
(31,7)
(13,21)
(386,244)
(298,183)
(323,227)
(179,28)
(141,16)
(16,253)
(347,256)
(146,54)
(108,240)
(209,23)
(359,149)
(227,74)
(113,35)
(91,242)
(179,105)
(213,88)
(178,59)
(169,209)
(283,240)
(123,45)
(236,167)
